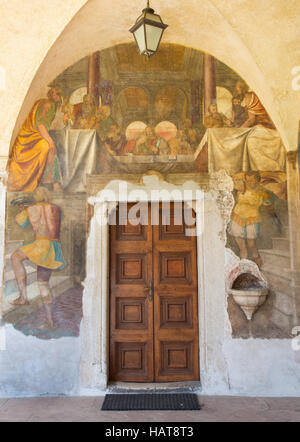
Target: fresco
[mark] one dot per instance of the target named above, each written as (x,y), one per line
(148,115)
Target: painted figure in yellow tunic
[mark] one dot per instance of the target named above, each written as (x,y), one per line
(34,159)
(45,251)
(245,217)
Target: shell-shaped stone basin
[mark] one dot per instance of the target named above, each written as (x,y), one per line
(250,300)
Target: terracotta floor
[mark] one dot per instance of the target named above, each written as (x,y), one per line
(87,409)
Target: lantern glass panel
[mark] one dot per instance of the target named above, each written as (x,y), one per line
(140,38)
(153,35)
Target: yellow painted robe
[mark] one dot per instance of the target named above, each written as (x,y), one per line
(31,155)
(43,251)
(246,210)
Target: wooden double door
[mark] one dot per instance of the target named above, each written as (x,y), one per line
(153,301)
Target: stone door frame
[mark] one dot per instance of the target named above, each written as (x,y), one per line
(94,334)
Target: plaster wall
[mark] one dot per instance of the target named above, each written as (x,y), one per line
(35,367)
(261,367)
(32,367)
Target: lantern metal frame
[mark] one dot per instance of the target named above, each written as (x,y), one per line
(143,20)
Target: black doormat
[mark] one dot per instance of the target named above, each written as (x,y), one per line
(131,402)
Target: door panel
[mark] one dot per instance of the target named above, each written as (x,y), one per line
(131,361)
(175,311)
(153,339)
(130,314)
(131,268)
(131,233)
(174,267)
(175,302)
(131,311)
(176,360)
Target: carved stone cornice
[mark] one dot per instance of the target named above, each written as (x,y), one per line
(96,183)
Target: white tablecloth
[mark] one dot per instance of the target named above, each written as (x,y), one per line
(81,153)
(77,151)
(241,149)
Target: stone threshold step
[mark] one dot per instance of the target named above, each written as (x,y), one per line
(152,387)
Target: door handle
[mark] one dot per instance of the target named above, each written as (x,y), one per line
(150,290)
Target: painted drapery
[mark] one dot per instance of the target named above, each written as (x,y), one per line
(33,161)
(243,149)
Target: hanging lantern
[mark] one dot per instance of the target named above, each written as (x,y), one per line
(148,31)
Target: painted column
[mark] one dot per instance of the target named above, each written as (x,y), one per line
(195,101)
(294,227)
(107,92)
(209,77)
(94,76)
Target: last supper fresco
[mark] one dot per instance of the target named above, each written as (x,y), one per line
(115,112)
